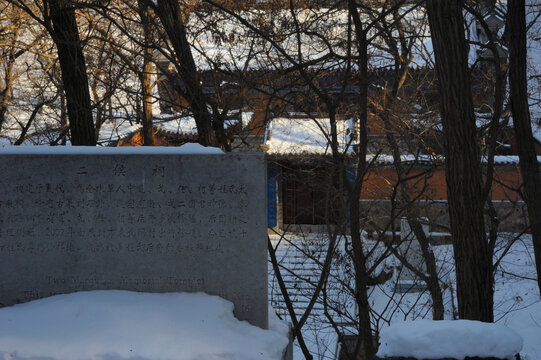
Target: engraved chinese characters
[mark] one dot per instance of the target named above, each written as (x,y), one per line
(155,223)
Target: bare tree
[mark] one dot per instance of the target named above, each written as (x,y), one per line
(9,54)
(27,88)
(210,129)
(145,75)
(399,42)
(529,166)
(59,18)
(462,162)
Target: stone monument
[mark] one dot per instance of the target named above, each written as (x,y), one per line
(410,249)
(150,220)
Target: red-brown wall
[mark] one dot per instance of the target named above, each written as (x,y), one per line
(380,183)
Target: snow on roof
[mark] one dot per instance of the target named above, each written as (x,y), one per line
(508,159)
(186,125)
(407,158)
(385,159)
(178,125)
(237,46)
(296,136)
(457,339)
(112,131)
(131,325)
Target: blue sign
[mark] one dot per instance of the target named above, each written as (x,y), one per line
(272,211)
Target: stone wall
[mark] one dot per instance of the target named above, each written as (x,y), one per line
(513,215)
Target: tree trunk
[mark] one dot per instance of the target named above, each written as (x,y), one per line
(63,116)
(529,167)
(462,162)
(144,77)
(4,93)
(359,258)
(172,21)
(74,78)
(431,277)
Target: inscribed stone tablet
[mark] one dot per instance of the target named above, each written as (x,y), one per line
(146,222)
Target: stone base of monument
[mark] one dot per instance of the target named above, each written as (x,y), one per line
(410,286)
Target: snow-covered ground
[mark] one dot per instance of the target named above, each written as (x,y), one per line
(116,325)
(516,299)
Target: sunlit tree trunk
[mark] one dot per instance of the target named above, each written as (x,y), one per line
(145,75)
